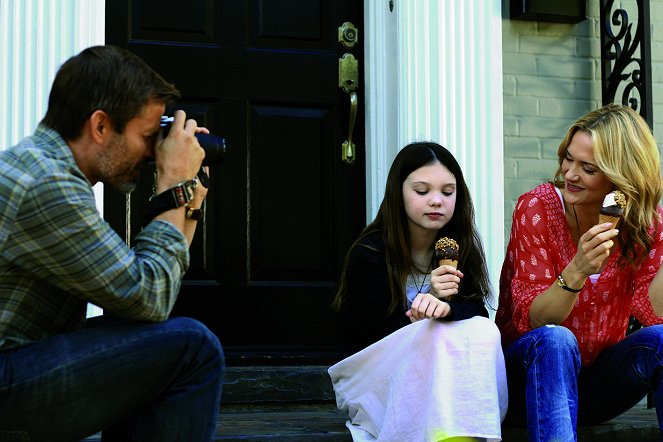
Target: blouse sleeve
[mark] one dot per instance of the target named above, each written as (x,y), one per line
(533,256)
(641,305)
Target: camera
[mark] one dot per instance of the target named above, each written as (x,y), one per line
(213,145)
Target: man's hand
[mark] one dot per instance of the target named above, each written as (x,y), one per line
(179,156)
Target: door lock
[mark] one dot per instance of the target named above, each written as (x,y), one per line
(348,35)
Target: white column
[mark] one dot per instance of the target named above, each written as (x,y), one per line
(381,82)
(36,37)
(448,71)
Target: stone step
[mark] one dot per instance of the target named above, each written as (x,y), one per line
(325,424)
(297,404)
(291,423)
(267,384)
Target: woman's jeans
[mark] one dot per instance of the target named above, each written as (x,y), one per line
(552,393)
(136,381)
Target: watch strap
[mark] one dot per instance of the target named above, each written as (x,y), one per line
(561,282)
(175,197)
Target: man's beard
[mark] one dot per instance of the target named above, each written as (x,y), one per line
(115,170)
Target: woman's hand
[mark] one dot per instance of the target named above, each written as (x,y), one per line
(555,304)
(427,306)
(444,281)
(593,249)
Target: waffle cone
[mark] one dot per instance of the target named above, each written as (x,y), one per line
(610,219)
(449,262)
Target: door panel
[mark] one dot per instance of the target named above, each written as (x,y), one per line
(283,208)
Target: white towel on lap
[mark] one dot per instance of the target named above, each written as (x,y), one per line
(426,382)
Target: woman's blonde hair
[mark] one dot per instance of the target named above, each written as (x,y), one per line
(625,151)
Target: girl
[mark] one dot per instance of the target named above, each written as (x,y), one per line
(424,368)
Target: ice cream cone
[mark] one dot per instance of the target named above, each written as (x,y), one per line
(603,218)
(613,207)
(449,262)
(446,251)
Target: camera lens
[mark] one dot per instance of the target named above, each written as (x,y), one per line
(214,147)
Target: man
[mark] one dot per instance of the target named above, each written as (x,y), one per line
(143,377)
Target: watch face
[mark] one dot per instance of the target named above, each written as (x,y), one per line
(194,214)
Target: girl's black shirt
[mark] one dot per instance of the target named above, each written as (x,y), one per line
(364,314)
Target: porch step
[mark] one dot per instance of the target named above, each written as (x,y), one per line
(277,384)
(280,404)
(297,404)
(292,423)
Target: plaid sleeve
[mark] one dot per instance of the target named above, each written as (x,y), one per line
(61,238)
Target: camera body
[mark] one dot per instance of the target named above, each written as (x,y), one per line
(213,145)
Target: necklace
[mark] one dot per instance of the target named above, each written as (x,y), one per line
(415,281)
(576,217)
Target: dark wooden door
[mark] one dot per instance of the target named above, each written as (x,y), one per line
(283,208)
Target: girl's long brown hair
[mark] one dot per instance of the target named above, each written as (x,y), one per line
(391,221)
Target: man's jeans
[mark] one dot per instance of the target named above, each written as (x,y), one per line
(551,393)
(136,381)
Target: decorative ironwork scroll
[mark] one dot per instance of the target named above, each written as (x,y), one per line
(626,56)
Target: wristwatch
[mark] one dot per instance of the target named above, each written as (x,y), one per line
(178,196)
(194,214)
(562,283)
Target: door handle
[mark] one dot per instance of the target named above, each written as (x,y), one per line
(348,72)
(348,147)
(348,79)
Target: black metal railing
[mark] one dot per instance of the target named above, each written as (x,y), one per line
(626,55)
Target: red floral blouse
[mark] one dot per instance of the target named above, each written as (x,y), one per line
(540,247)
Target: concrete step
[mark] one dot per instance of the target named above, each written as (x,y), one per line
(277,384)
(297,404)
(289,423)
(328,424)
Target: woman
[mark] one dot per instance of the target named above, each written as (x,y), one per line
(424,368)
(569,284)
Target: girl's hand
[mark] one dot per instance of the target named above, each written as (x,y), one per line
(427,306)
(444,281)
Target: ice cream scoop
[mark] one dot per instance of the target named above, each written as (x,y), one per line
(613,208)
(446,251)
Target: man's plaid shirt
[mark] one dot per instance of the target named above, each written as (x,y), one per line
(57,253)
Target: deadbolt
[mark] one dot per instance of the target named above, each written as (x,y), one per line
(348,35)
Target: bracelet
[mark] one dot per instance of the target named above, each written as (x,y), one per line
(562,283)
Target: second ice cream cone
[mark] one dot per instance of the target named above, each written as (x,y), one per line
(449,262)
